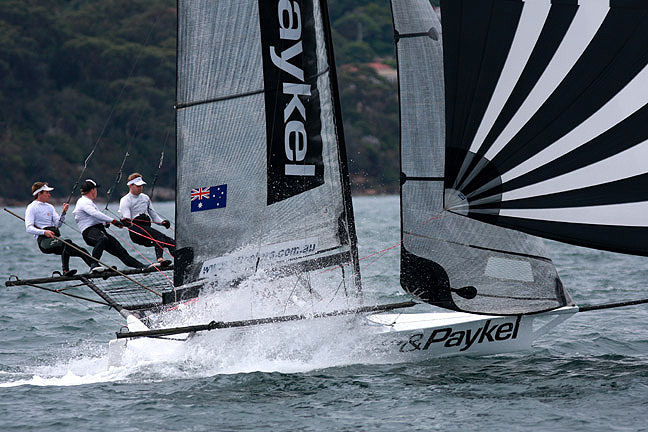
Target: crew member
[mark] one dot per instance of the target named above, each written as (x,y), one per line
(138,214)
(91,223)
(42,220)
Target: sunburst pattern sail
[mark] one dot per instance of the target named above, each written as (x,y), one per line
(518,117)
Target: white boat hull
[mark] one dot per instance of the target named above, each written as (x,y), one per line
(442,334)
(411,336)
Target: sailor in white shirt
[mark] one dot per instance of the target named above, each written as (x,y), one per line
(138,213)
(91,222)
(42,220)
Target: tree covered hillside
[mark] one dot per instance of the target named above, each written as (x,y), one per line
(78,72)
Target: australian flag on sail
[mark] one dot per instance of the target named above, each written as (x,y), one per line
(208,198)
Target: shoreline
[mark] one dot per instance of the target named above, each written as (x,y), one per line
(57,202)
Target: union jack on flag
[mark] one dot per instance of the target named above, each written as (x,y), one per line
(199,194)
(208,198)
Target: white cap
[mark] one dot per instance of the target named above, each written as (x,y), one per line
(42,188)
(137,181)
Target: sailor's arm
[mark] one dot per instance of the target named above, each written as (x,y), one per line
(58,220)
(155,217)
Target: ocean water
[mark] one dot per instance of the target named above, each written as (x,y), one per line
(589,374)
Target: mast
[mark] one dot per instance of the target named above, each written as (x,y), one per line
(342,155)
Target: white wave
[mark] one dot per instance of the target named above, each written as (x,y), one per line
(288,347)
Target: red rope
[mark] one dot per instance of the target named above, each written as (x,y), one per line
(147,220)
(159,242)
(145,259)
(438,216)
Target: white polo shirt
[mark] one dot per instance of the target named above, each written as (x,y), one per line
(40,215)
(131,206)
(86,214)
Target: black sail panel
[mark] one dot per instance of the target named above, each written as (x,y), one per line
(569,163)
(262,183)
(554,28)
(486,34)
(613,58)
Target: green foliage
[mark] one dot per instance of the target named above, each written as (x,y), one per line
(370,109)
(80,72)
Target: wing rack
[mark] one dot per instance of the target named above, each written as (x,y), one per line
(112,287)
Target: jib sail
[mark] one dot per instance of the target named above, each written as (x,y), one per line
(262,180)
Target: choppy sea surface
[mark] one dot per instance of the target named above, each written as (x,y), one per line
(589,374)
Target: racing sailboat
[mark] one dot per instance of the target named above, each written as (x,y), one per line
(518,119)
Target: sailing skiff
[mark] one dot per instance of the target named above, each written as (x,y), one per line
(519,120)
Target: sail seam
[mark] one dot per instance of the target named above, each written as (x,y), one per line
(239,95)
(425,178)
(541,258)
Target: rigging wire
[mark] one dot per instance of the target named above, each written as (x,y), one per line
(118,177)
(148,237)
(132,246)
(157,172)
(112,109)
(379,254)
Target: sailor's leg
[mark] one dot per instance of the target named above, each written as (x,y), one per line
(65,257)
(159,252)
(82,253)
(96,236)
(53,247)
(162,241)
(140,236)
(115,248)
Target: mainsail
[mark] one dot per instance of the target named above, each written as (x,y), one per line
(262,182)
(518,117)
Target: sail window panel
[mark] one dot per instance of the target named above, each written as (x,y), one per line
(509,269)
(422,107)
(414,16)
(219,50)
